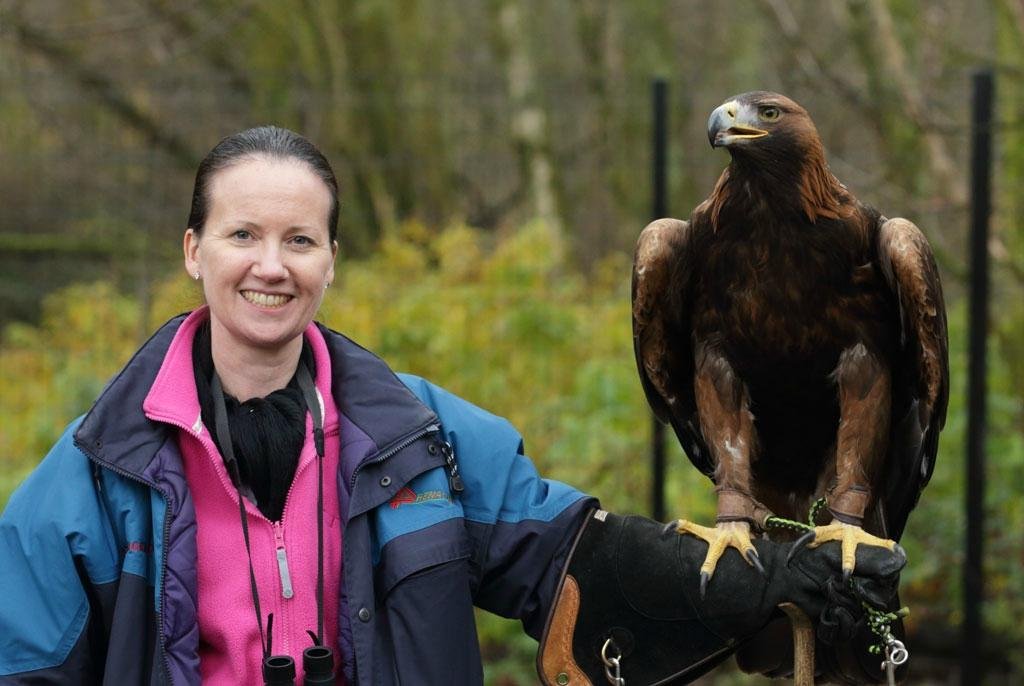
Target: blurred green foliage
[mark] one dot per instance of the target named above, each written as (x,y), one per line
(510,322)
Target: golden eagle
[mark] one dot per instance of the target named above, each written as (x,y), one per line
(794,338)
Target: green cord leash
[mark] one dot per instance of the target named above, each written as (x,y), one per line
(783,523)
(889,647)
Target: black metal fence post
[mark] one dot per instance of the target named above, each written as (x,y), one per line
(971,663)
(659,208)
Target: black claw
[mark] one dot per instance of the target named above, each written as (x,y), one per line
(755,559)
(704,577)
(671,526)
(800,543)
(847,573)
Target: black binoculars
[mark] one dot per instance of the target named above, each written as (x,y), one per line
(317,663)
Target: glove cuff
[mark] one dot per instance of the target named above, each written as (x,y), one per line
(555,661)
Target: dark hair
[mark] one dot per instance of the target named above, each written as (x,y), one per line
(262,141)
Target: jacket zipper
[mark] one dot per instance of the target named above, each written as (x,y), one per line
(163,556)
(280,552)
(282,623)
(282,562)
(395,447)
(167,531)
(287,591)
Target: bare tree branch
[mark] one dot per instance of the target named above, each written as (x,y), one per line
(215,51)
(913,101)
(106,91)
(810,63)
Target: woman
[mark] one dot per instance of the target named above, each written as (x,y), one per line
(252,484)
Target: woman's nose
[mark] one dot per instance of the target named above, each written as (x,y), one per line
(270,264)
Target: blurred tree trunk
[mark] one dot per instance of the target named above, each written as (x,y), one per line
(528,119)
(914,153)
(598,28)
(1008,227)
(369,78)
(950,183)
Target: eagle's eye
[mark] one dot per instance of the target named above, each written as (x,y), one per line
(768,113)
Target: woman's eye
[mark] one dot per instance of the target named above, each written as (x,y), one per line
(242,235)
(769,113)
(302,240)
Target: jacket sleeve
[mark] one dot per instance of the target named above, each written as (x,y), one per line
(521,526)
(52,540)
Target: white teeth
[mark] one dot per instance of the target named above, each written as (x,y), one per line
(265,299)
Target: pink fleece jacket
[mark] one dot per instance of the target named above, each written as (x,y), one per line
(284,553)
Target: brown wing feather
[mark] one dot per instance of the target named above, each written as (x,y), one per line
(921,370)
(661,336)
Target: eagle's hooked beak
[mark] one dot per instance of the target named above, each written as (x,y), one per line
(733,122)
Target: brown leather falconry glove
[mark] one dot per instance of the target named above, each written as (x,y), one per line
(634,592)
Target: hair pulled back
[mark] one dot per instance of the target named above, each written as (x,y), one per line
(262,141)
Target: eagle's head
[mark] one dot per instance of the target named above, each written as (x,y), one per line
(763,126)
(776,152)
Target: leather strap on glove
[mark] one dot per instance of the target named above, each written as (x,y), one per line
(633,592)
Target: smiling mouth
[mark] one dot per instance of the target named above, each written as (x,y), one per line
(266,299)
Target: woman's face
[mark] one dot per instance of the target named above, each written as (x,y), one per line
(265,254)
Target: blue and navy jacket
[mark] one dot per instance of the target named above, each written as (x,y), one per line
(98,551)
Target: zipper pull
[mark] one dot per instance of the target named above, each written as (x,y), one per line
(454,480)
(282,562)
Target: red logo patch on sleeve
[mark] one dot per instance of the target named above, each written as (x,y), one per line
(406,495)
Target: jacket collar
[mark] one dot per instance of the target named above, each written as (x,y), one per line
(117,434)
(172,397)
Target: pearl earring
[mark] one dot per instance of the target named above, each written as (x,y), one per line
(196,276)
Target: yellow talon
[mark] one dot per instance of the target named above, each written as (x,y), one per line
(724,535)
(849,536)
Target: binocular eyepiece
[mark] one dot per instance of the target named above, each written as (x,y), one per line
(279,670)
(317,663)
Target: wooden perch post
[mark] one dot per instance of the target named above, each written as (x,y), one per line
(803,645)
